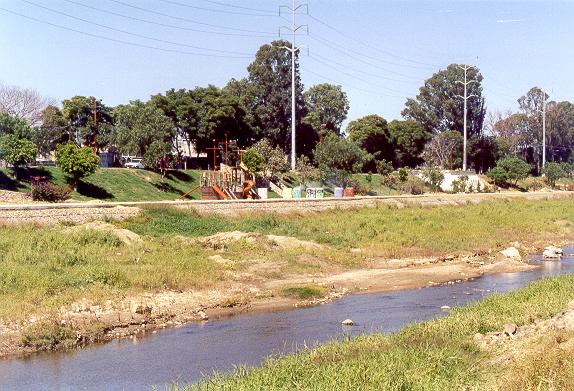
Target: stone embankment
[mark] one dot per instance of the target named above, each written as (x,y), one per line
(86,211)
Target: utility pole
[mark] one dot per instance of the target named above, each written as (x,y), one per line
(293,49)
(466,97)
(543,111)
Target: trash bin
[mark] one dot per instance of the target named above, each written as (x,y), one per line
(263,193)
(287,192)
(349,191)
(339,192)
(297,192)
(311,192)
(319,192)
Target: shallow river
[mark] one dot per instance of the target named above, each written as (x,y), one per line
(187,353)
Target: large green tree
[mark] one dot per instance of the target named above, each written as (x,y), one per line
(371,133)
(78,112)
(327,106)
(266,93)
(438,107)
(142,129)
(339,157)
(409,139)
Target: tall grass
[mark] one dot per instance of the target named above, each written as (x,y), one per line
(434,355)
(386,230)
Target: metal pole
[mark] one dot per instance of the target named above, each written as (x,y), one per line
(465,115)
(544,130)
(293,29)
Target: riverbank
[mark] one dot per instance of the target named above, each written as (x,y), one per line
(72,285)
(515,341)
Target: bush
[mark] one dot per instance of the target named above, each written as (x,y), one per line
(552,172)
(253,160)
(47,191)
(534,184)
(498,176)
(76,162)
(515,168)
(433,176)
(414,185)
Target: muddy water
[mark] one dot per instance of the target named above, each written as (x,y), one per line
(187,353)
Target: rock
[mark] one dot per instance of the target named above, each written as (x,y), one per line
(202,315)
(347,322)
(552,252)
(445,308)
(510,329)
(511,253)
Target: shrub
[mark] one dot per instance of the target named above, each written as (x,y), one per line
(384,167)
(552,172)
(515,168)
(47,191)
(498,176)
(534,184)
(76,162)
(253,160)
(414,185)
(433,176)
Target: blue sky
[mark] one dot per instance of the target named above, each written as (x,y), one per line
(379,51)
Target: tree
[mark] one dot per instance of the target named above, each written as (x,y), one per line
(274,160)
(444,150)
(76,162)
(438,107)
(142,129)
(13,125)
(338,158)
(371,133)
(267,93)
(23,103)
(253,161)
(515,168)
(433,176)
(52,130)
(17,151)
(305,171)
(79,115)
(409,139)
(327,107)
(552,172)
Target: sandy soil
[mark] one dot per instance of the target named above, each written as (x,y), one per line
(252,290)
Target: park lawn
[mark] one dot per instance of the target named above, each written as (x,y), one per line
(435,355)
(115,184)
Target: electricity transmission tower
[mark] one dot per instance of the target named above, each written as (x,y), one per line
(293,49)
(466,97)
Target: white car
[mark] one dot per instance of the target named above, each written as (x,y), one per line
(134,163)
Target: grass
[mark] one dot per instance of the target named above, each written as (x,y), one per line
(386,230)
(302,292)
(434,355)
(114,184)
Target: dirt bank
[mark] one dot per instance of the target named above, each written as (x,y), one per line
(252,290)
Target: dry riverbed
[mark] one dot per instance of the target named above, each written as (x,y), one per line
(260,285)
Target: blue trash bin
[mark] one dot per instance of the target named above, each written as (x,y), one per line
(339,192)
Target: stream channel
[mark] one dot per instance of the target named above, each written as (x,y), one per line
(185,354)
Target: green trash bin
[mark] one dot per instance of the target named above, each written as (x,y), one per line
(319,192)
(297,192)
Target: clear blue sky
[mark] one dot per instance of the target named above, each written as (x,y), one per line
(380,51)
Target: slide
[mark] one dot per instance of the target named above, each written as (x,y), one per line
(220,193)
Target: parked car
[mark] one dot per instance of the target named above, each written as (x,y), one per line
(134,163)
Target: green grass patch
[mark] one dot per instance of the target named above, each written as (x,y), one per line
(434,355)
(302,292)
(113,184)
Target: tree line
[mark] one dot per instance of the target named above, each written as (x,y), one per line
(258,107)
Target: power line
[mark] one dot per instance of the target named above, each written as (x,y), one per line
(357,57)
(216,10)
(117,40)
(355,77)
(343,34)
(236,6)
(187,19)
(131,33)
(165,24)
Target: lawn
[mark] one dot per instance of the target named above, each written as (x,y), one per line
(114,184)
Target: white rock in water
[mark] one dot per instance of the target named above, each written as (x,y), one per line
(445,308)
(347,322)
(511,253)
(552,252)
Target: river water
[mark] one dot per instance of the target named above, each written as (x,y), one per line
(188,353)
